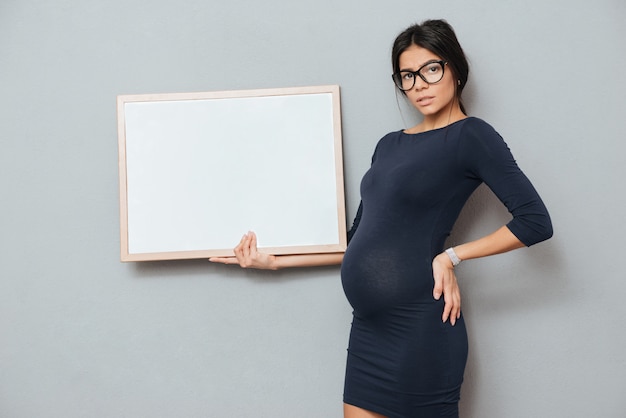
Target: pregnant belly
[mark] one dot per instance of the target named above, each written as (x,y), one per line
(377,279)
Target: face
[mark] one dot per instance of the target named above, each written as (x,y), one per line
(431,100)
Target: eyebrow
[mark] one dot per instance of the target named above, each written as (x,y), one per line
(421,66)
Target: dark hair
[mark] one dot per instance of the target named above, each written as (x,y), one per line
(438,37)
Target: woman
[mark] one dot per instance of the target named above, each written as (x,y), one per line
(405,359)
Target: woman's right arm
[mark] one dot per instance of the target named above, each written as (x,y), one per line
(248,256)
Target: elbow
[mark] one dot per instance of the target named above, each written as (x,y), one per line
(549,231)
(544,235)
(542,231)
(531,230)
(546,231)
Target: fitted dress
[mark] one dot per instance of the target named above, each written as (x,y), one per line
(403,361)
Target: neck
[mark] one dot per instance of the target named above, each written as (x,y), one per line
(439,120)
(442,119)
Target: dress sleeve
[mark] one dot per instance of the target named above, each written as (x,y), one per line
(359,212)
(355,223)
(485,156)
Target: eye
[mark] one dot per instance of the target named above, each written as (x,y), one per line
(407,76)
(433,68)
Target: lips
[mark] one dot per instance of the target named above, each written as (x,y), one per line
(425,101)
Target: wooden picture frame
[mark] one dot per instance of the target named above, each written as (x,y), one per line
(198,170)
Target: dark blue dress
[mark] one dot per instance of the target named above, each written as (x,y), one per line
(402,360)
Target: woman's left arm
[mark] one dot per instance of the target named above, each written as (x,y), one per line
(498,242)
(486,156)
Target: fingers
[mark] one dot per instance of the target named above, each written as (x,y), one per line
(224,260)
(447,308)
(445,283)
(452,306)
(242,249)
(246,253)
(238,250)
(438,288)
(250,239)
(253,245)
(452,299)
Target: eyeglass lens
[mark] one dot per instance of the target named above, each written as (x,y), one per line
(431,73)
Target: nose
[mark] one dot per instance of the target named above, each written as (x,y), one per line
(420,84)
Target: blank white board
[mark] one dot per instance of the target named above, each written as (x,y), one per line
(198,170)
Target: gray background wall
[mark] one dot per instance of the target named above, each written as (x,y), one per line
(83,335)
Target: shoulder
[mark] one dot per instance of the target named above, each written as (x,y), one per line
(476,133)
(476,127)
(480,144)
(389,138)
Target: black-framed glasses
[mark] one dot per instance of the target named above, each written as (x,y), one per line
(431,73)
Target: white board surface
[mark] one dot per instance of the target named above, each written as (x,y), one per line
(198,170)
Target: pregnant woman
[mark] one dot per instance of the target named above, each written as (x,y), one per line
(408,345)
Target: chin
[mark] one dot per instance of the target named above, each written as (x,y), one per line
(426,112)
